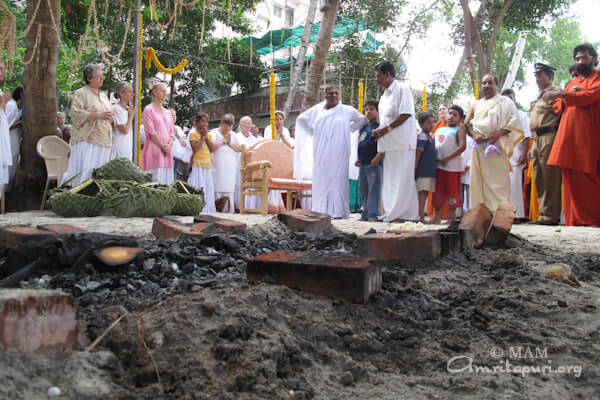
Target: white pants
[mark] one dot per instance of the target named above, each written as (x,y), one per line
(516,190)
(399,190)
(229,195)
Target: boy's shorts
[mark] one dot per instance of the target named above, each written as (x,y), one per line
(447,189)
(425,184)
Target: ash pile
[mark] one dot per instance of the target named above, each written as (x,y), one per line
(161,269)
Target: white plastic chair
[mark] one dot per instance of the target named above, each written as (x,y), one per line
(55,153)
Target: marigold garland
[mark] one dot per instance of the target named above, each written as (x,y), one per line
(151,58)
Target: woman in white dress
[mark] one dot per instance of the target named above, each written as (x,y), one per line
(282,134)
(92,116)
(124,110)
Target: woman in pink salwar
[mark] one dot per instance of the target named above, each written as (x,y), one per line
(157,156)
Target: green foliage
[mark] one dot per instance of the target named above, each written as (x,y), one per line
(530,16)
(377,14)
(556,47)
(209,71)
(351,64)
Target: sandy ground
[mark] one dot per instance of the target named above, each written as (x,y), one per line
(579,239)
(217,336)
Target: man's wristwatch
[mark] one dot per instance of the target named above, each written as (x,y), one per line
(389,128)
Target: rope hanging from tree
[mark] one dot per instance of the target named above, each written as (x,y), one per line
(151,58)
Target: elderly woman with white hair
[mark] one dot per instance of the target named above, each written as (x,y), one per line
(157,156)
(91,138)
(123,111)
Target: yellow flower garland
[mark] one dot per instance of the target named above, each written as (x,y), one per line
(272,105)
(361,96)
(151,58)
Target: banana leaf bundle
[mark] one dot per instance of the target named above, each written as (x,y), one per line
(188,199)
(122,169)
(81,201)
(140,201)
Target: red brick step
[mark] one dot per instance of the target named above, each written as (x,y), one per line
(350,278)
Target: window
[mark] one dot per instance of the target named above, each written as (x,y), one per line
(289,16)
(277,11)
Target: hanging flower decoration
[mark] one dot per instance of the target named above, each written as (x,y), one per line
(151,58)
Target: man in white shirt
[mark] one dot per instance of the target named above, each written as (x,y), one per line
(397,138)
(225,159)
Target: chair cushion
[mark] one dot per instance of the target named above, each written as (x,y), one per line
(289,184)
(278,153)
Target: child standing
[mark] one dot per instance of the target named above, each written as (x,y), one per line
(370,165)
(450,142)
(202,174)
(425,162)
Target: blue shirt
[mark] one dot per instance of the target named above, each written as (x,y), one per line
(428,161)
(367,145)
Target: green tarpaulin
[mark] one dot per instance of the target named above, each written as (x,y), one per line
(292,37)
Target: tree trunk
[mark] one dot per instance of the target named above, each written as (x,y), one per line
(310,17)
(317,64)
(41,100)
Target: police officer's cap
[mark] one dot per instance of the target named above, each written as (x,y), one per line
(542,66)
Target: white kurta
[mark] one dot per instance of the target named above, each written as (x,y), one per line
(122,144)
(516,175)
(330,130)
(225,162)
(5,155)
(399,190)
(13,114)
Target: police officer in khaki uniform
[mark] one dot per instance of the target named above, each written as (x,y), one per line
(544,122)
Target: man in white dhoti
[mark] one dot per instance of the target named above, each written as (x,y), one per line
(397,138)
(518,160)
(329,124)
(244,137)
(14,113)
(225,160)
(492,119)
(5,154)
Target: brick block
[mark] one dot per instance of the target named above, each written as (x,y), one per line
(167,229)
(37,321)
(306,221)
(451,242)
(60,229)
(475,225)
(392,247)
(221,223)
(501,224)
(350,278)
(13,235)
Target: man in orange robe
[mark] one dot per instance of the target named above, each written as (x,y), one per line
(576,149)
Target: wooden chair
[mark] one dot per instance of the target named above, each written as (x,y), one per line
(269,165)
(55,153)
